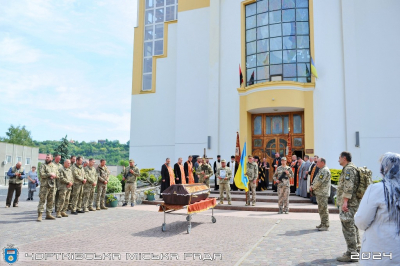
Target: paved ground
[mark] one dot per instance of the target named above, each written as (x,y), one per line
(243,238)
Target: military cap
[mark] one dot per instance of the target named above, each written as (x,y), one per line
(283,159)
(131,161)
(223,161)
(250,156)
(199,158)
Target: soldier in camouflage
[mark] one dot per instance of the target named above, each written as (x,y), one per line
(321,188)
(348,205)
(89,187)
(283,186)
(78,172)
(102,176)
(204,172)
(65,183)
(130,176)
(73,161)
(57,160)
(224,175)
(252,175)
(48,173)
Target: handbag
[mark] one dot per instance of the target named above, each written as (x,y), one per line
(37,184)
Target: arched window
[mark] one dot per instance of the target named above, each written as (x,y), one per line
(278,41)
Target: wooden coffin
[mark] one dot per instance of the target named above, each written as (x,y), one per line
(186,194)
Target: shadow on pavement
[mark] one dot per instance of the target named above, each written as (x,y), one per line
(325,262)
(299,232)
(171,229)
(21,213)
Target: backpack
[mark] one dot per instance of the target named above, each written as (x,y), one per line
(365,180)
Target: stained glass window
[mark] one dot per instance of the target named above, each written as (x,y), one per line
(278,35)
(277,125)
(297,124)
(257,143)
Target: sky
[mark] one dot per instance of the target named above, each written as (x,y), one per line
(66,68)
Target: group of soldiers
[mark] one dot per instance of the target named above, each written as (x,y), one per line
(71,186)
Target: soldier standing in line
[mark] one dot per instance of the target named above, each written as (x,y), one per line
(64,188)
(224,175)
(321,188)
(48,172)
(89,187)
(73,161)
(79,180)
(204,172)
(252,175)
(102,175)
(57,160)
(282,176)
(348,205)
(130,176)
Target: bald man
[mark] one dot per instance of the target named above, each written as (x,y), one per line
(16,174)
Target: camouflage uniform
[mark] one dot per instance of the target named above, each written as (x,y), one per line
(46,187)
(102,175)
(224,184)
(283,188)
(347,188)
(79,174)
(207,173)
(88,188)
(321,187)
(130,183)
(252,174)
(65,177)
(56,185)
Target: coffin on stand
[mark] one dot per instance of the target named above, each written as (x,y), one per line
(185,194)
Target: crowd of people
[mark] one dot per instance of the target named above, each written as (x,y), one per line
(376,209)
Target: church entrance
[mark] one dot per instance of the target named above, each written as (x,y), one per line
(270,133)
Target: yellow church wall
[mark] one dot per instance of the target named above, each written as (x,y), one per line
(185,5)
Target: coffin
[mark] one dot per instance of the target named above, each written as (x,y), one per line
(185,194)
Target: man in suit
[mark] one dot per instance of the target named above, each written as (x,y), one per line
(217,164)
(314,169)
(275,164)
(234,167)
(196,165)
(303,176)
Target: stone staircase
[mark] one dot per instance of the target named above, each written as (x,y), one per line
(267,201)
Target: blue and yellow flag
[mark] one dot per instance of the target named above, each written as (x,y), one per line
(313,68)
(241,180)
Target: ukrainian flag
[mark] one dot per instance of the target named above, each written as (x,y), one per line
(241,180)
(313,69)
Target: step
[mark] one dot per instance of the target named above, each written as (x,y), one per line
(263,207)
(263,198)
(265,192)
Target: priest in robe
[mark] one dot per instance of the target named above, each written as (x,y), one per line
(167,176)
(303,174)
(188,167)
(179,172)
(217,164)
(275,164)
(234,167)
(295,168)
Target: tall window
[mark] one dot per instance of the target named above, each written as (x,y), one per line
(278,41)
(27,161)
(156,13)
(8,159)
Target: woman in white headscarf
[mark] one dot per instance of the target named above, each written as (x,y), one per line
(379,216)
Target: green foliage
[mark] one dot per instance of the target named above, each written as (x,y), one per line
(145,170)
(114,185)
(62,149)
(143,176)
(111,198)
(18,135)
(112,151)
(120,177)
(335,175)
(150,192)
(153,179)
(124,163)
(159,179)
(376,181)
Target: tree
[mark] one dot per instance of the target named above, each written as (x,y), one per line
(18,135)
(124,163)
(62,149)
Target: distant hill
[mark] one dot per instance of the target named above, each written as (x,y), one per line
(112,151)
